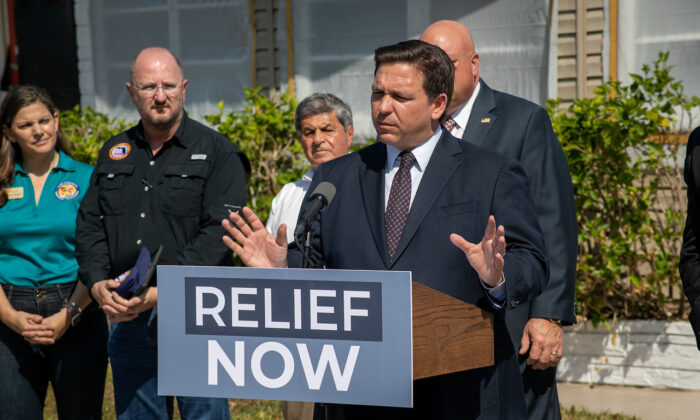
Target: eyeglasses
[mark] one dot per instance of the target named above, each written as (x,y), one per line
(150,90)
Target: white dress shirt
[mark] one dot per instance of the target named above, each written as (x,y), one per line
(286,205)
(422,154)
(461,116)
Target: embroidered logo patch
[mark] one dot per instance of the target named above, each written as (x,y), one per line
(122,276)
(120,151)
(67,190)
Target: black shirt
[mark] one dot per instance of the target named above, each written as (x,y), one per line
(176,198)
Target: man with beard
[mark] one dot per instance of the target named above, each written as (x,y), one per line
(167,181)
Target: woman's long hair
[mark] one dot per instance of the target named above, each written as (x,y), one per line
(10,153)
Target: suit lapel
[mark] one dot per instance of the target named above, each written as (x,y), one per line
(437,174)
(481,117)
(372,188)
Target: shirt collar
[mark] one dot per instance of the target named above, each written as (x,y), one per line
(178,138)
(65,164)
(461,115)
(422,152)
(309,174)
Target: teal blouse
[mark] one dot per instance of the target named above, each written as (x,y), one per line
(37,242)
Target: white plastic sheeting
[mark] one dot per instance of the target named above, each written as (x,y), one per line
(212,39)
(334,43)
(647,27)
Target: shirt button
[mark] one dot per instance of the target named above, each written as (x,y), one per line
(146,188)
(152,163)
(138,242)
(143,215)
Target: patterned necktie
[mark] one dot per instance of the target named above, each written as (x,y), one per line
(449,124)
(399,203)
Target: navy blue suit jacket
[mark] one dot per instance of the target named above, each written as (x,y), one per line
(462,185)
(521,130)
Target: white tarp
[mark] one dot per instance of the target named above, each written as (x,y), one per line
(647,27)
(212,39)
(334,42)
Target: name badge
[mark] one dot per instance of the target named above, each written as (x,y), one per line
(14,193)
(198,157)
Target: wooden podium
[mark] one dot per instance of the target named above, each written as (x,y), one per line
(449,335)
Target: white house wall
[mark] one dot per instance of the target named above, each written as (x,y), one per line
(656,354)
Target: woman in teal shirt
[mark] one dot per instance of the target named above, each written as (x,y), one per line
(41,301)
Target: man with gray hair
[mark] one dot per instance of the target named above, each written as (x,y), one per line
(324,125)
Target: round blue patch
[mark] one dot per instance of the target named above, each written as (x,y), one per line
(67,190)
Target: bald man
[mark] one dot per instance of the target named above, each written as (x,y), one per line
(167,181)
(519,129)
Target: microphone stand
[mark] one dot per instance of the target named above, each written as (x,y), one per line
(306,262)
(305,249)
(319,200)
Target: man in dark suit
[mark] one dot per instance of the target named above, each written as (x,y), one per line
(521,130)
(419,201)
(690,252)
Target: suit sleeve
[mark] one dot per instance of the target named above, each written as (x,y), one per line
(526,267)
(91,249)
(690,252)
(224,191)
(550,184)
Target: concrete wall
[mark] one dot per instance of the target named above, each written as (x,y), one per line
(656,354)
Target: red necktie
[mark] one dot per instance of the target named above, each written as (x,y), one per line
(449,124)
(399,203)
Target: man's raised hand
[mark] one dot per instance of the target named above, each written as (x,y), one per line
(255,245)
(486,257)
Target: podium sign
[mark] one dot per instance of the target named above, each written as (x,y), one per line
(335,336)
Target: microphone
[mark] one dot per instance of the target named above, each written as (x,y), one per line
(319,200)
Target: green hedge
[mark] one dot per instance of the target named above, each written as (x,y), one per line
(86,130)
(265,131)
(621,145)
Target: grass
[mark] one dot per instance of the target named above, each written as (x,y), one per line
(240,409)
(578,413)
(272,410)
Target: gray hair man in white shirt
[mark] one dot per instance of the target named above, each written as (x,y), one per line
(324,126)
